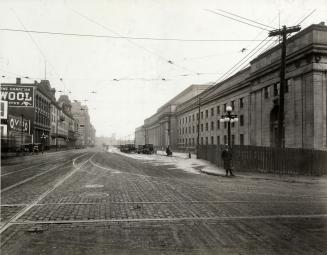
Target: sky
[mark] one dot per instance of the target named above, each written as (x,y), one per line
(125,80)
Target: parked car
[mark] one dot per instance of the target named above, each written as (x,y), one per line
(127,148)
(145,149)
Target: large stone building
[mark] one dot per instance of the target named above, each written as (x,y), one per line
(86,131)
(161,128)
(253,93)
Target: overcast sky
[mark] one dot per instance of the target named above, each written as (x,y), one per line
(90,64)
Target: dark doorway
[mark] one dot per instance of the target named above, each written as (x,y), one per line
(274,126)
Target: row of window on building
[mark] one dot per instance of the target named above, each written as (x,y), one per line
(191,129)
(205,113)
(206,141)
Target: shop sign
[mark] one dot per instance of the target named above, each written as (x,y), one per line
(18,96)
(18,124)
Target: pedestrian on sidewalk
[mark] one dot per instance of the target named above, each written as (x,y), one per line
(226,155)
(168,151)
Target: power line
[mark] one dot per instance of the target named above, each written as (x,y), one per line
(124,37)
(230,13)
(301,21)
(34,42)
(132,42)
(252,25)
(240,62)
(37,46)
(273,44)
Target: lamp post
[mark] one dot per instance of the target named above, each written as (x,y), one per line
(43,137)
(229,118)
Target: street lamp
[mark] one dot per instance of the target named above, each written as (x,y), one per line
(43,137)
(229,118)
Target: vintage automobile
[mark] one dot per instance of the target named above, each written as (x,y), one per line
(145,149)
(127,148)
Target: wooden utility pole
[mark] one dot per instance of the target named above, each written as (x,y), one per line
(283,32)
(198,128)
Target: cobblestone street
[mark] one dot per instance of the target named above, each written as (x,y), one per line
(89,202)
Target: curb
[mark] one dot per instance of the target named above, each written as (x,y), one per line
(211,173)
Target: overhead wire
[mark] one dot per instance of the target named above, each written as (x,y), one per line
(240,21)
(131,41)
(37,46)
(234,68)
(123,37)
(273,44)
(259,23)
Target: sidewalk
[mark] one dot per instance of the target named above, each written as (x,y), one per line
(196,166)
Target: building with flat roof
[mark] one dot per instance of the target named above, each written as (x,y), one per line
(161,128)
(253,93)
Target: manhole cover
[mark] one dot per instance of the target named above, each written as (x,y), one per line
(94,186)
(94,194)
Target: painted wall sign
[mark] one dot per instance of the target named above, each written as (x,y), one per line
(18,96)
(16,124)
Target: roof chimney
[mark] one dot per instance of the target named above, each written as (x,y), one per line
(18,80)
(322,23)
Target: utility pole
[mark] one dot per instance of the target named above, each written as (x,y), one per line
(22,132)
(198,128)
(283,32)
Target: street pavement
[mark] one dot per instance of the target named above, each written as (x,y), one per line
(92,202)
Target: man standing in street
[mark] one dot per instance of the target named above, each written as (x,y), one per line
(226,155)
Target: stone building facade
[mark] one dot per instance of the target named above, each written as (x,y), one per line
(253,94)
(86,132)
(161,128)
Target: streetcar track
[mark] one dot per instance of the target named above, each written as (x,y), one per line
(171,202)
(33,177)
(43,195)
(174,219)
(37,165)
(23,169)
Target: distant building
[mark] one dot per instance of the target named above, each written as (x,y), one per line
(160,129)
(85,129)
(140,136)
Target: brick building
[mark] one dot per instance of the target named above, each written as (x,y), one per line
(28,119)
(35,116)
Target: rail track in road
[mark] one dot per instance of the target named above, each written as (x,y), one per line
(109,201)
(44,194)
(11,179)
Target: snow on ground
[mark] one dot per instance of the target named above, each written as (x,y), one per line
(180,160)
